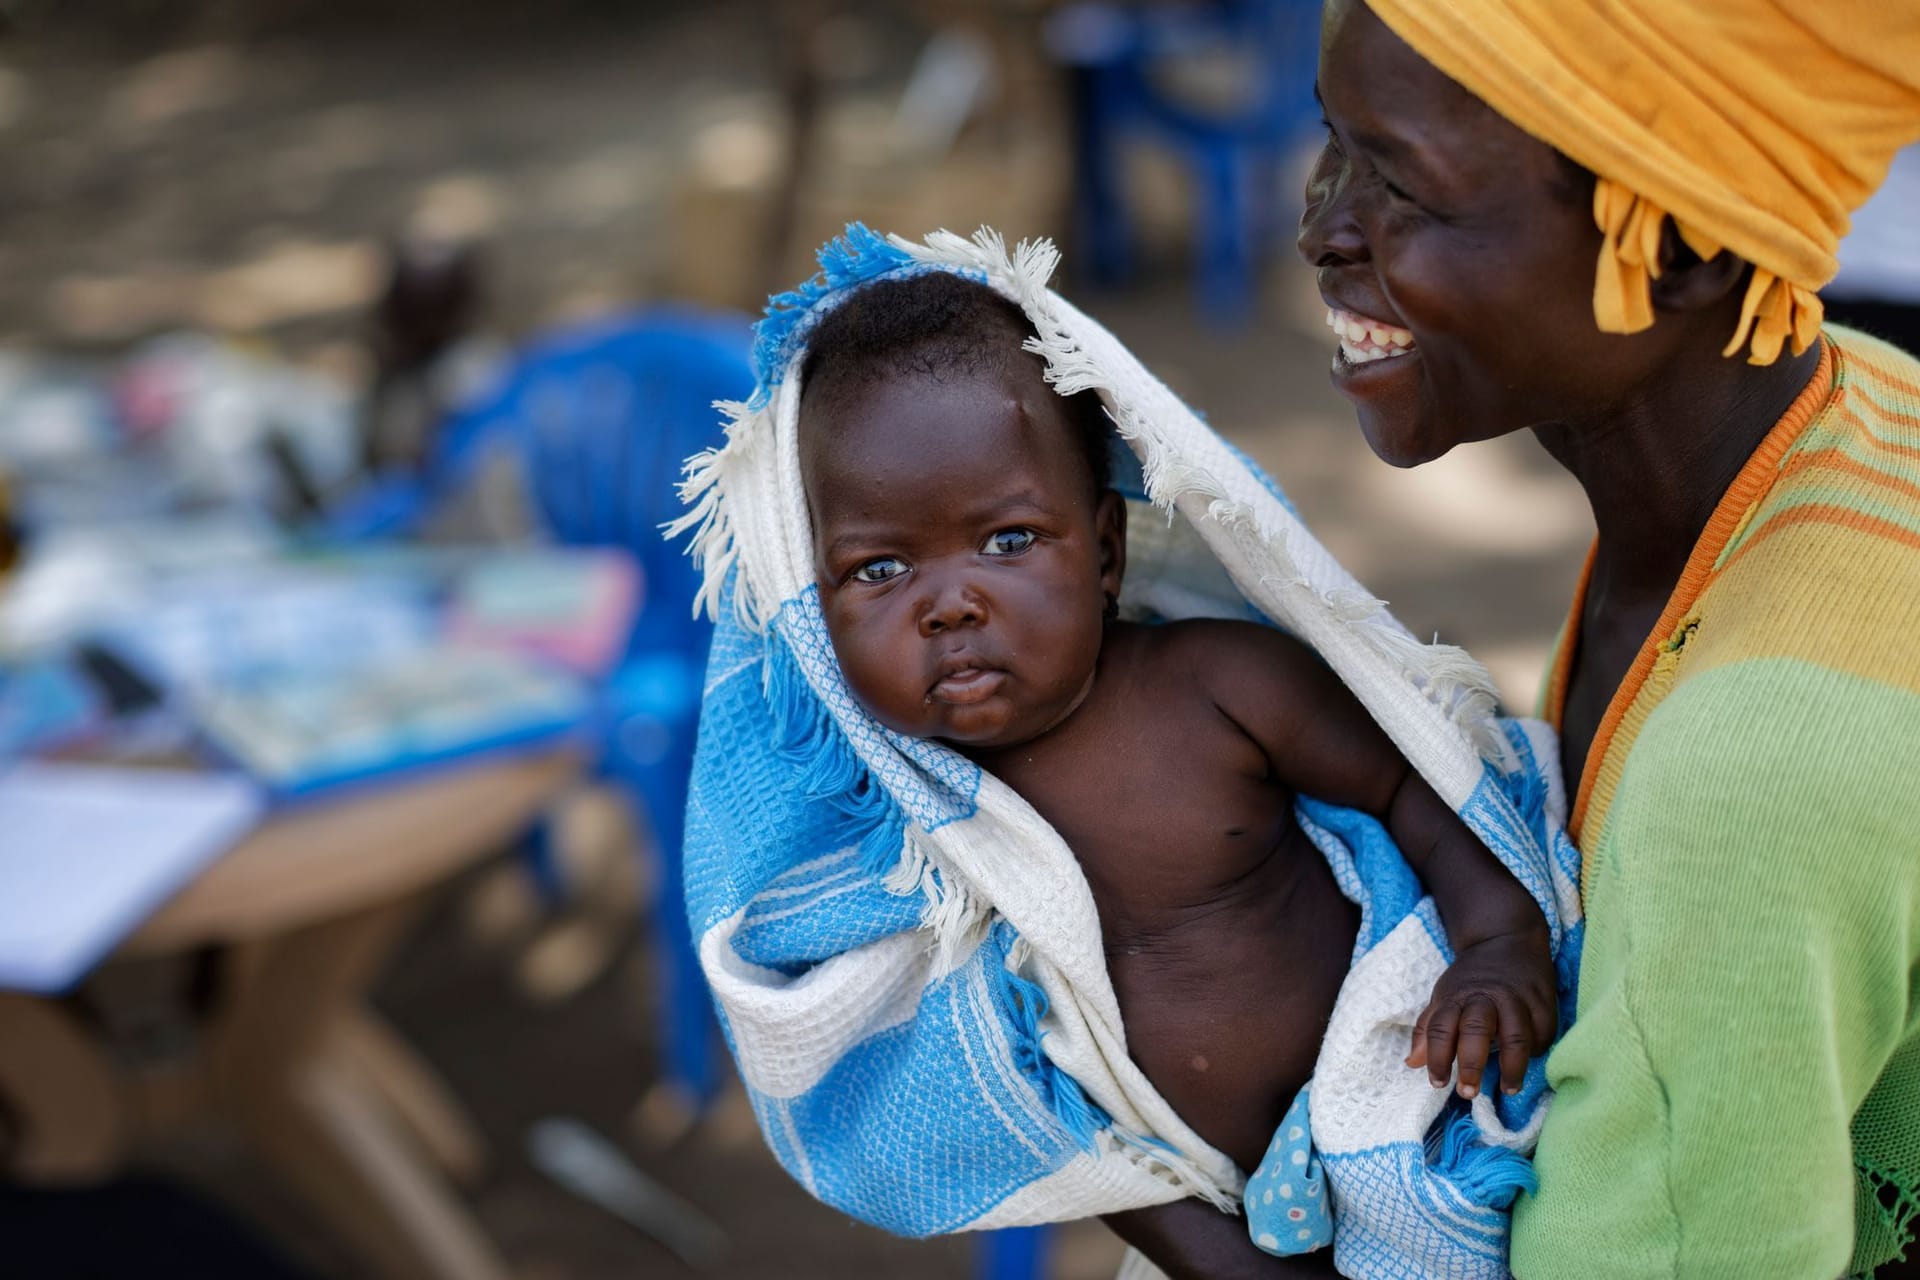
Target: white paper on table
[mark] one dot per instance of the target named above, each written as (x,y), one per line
(88,852)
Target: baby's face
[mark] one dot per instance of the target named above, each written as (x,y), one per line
(962,556)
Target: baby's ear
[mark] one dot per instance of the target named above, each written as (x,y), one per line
(1110,529)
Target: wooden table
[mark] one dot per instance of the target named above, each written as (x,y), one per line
(305,911)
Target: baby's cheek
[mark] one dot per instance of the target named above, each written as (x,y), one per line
(880,677)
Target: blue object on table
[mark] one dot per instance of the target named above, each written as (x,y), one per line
(299,734)
(602,416)
(40,703)
(1112,53)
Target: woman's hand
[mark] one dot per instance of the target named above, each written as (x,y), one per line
(1496,996)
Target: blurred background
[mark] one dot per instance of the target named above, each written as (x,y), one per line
(347,354)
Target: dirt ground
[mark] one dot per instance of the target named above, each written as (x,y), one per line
(238,167)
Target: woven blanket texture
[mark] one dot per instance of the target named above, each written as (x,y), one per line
(906,958)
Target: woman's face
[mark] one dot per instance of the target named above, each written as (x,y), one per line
(1456,252)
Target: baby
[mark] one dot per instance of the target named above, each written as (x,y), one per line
(969,559)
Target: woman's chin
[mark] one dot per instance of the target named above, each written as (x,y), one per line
(1398,442)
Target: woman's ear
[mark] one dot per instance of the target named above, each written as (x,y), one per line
(1110,530)
(1688,282)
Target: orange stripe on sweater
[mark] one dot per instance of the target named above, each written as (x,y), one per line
(1833,459)
(1759,473)
(1863,420)
(1875,372)
(1830,514)
(1561,671)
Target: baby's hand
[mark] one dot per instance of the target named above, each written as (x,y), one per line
(1498,992)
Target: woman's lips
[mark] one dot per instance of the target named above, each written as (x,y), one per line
(966,686)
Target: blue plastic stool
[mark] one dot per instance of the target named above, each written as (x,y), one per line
(1110,53)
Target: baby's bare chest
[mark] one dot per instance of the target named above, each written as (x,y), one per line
(1226,937)
(1168,806)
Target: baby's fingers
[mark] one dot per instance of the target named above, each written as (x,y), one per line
(1543,1015)
(1436,1044)
(1479,1022)
(1516,1041)
(1417,1051)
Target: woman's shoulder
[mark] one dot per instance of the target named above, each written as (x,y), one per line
(1860,450)
(1824,569)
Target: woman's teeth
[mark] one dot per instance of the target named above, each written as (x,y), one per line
(1363,339)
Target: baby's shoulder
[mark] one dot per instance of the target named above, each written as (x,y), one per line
(1215,641)
(1214,662)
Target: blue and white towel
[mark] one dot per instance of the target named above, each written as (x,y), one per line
(906,957)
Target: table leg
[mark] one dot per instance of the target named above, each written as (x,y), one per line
(337,1147)
(368,1047)
(66,1096)
(280,1077)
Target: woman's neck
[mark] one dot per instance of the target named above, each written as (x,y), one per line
(1656,466)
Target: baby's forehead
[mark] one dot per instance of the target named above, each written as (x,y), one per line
(902,403)
(912,432)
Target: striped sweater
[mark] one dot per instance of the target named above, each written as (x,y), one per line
(1740,1095)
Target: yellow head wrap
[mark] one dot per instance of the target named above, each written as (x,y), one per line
(1756,125)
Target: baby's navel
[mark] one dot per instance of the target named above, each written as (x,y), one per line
(1199,1062)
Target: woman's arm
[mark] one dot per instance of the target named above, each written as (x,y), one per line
(1192,1240)
(1753,929)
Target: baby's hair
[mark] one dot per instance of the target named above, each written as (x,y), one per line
(935,324)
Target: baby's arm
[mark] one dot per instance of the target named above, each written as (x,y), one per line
(1318,739)
(1192,1240)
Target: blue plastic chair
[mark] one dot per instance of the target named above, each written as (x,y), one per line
(1014,1253)
(1110,52)
(607,417)
(601,417)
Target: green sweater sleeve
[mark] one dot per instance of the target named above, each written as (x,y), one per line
(1751,931)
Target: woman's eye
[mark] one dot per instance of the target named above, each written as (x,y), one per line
(1398,193)
(879,569)
(1009,542)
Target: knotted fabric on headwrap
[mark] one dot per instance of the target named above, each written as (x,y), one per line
(1758,126)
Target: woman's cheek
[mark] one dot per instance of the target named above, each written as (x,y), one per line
(1431,299)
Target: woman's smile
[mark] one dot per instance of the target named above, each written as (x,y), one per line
(1364,339)
(1373,355)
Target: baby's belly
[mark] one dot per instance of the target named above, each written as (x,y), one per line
(1225,1008)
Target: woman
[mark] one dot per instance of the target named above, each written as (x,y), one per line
(1738,685)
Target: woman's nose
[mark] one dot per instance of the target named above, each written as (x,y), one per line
(949,605)
(1330,234)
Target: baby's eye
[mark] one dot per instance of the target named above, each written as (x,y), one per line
(1009,542)
(880,569)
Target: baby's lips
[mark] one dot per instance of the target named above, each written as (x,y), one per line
(968,685)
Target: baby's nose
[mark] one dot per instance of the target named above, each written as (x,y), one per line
(950,605)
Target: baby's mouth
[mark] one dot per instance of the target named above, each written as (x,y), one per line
(965,686)
(1364,339)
